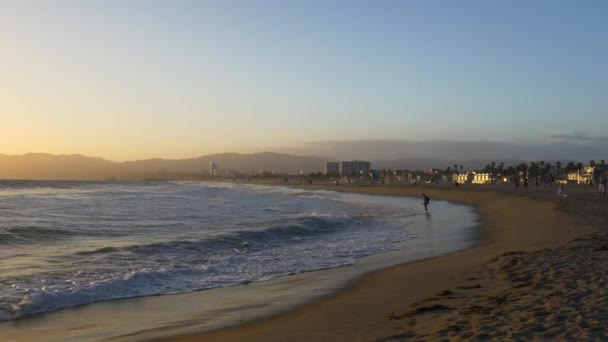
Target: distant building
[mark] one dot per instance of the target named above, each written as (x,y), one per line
(465,177)
(417,177)
(482,178)
(588,174)
(581,176)
(376,176)
(212,169)
(403,176)
(355,168)
(332,169)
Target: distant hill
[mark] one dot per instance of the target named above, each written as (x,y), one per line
(48,166)
(40,166)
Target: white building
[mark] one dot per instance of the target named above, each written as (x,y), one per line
(465,177)
(482,178)
(212,169)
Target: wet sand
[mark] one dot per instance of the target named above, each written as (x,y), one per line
(538,273)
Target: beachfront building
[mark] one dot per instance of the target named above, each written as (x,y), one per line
(376,176)
(332,169)
(584,176)
(464,177)
(482,178)
(212,169)
(417,177)
(402,176)
(355,168)
(588,175)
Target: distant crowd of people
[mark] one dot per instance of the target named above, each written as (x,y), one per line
(561,189)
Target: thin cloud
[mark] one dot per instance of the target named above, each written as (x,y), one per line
(578,138)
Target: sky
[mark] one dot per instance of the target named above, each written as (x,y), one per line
(138,79)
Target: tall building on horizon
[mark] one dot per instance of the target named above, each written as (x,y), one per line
(355,168)
(212,169)
(332,169)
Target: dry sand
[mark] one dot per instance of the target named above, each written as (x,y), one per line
(539,273)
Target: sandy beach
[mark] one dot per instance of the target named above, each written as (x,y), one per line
(537,274)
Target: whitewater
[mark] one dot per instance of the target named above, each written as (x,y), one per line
(66,244)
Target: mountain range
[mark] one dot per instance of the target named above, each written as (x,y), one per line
(42,166)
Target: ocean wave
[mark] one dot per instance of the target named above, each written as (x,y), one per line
(291,229)
(190,269)
(33,234)
(31,300)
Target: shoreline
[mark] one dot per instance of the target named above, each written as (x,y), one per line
(186,313)
(366,310)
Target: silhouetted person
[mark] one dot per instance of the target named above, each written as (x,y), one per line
(561,191)
(551,181)
(516,182)
(536,183)
(427,200)
(526,183)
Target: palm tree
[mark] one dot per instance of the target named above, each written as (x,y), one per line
(461,167)
(523,168)
(456,168)
(533,169)
(579,166)
(602,162)
(570,167)
(541,168)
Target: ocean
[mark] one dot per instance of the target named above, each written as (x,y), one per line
(67,244)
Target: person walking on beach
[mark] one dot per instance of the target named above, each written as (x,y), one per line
(603,185)
(536,183)
(516,181)
(526,183)
(551,181)
(427,200)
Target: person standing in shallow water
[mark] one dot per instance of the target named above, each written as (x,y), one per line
(427,200)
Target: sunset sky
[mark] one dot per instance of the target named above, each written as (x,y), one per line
(138,79)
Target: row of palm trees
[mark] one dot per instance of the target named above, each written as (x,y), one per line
(537,169)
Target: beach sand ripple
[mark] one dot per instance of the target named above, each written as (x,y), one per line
(551,294)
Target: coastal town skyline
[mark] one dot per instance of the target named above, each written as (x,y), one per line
(279,170)
(139,80)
